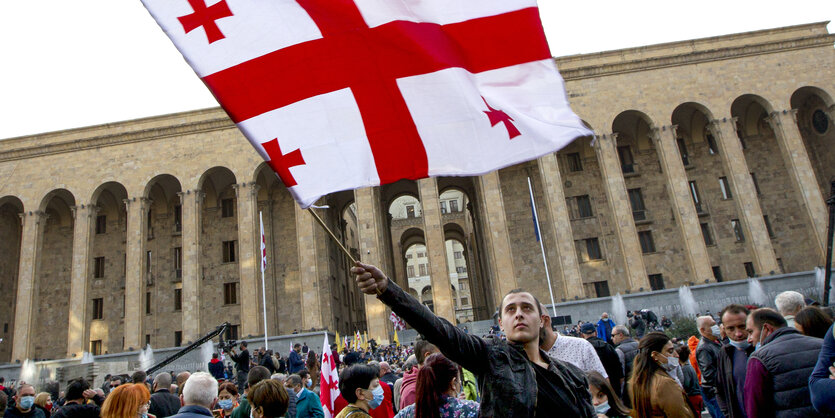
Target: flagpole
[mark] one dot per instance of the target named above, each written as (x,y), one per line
(542,246)
(263,286)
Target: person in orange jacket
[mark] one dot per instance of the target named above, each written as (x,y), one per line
(693,342)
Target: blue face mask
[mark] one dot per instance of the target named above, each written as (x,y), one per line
(742,345)
(26,402)
(378,397)
(226,404)
(602,408)
(309,383)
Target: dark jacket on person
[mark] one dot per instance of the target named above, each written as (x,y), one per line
(77,410)
(707,355)
(267,361)
(629,348)
(164,403)
(507,378)
(821,387)
(193,411)
(726,390)
(216,369)
(609,357)
(12,412)
(638,324)
(241,361)
(295,363)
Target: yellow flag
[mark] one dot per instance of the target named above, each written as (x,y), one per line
(396,340)
(365,340)
(338,342)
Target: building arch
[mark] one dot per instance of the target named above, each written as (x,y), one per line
(815,112)
(11,209)
(751,111)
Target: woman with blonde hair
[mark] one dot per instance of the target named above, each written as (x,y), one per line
(130,400)
(43,401)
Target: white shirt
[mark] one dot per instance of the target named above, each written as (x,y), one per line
(578,352)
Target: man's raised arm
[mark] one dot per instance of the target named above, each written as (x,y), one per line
(467,350)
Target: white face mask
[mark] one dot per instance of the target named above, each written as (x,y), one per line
(715,331)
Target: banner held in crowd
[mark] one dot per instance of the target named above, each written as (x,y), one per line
(328,380)
(338,95)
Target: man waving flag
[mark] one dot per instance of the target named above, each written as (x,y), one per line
(342,94)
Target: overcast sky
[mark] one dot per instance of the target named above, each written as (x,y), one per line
(75,63)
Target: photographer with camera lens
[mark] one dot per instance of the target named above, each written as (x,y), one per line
(241,365)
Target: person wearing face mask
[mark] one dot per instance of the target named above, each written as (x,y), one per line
(24,405)
(707,355)
(606,403)
(307,402)
(360,386)
(651,389)
(43,401)
(777,378)
(733,361)
(227,400)
(604,328)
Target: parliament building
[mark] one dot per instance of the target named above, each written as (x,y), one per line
(711,161)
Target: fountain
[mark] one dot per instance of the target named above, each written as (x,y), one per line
(688,302)
(618,309)
(146,357)
(206,351)
(820,279)
(86,357)
(28,372)
(756,293)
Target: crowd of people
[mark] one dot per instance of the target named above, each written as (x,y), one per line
(744,362)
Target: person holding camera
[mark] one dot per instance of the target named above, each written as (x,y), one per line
(241,365)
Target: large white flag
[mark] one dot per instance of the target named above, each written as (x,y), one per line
(328,381)
(342,94)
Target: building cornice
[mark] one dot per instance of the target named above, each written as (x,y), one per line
(695,57)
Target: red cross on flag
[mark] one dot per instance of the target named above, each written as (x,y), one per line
(342,94)
(328,380)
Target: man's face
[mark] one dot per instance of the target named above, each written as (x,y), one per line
(115,383)
(520,318)
(23,392)
(617,337)
(605,316)
(735,326)
(705,329)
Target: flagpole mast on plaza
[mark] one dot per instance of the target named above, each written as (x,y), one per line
(541,246)
(263,268)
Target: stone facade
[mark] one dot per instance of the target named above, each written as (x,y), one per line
(711,162)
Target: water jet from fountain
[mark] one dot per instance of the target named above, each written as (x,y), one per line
(756,293)
(618,309)
(688,302)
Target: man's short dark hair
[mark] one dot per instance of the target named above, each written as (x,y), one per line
(2,379)
(257,374)
(358,376)
(768,316)
(139,376)
(243,344)
(422,349)
(4,400)
(734,309)
(115,378)
(304,373)
(294,380)
(76,389)
(296,345)
(214,355)
(519,290)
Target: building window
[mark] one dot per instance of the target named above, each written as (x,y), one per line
(756,184)
(443,206)
(101,224)
(410,211)
(178,338)
(409,256)
(410,271)
(647,243)
(462,285)
(601,289)
(465,301)
(232,332)
(178,300)
(227,208)
(178,262)
(627,163)
(711,144)
(749,269)
(768,227)
(422,269)
(820,121)
(98,267)
(575,163)
(725,188)
(147,303)
(458,255)
(588,249)
(717,273)
(178,218)
(122,314)
(229,251)
(461,269)
(147,340)
(98,308)
(95,347)
(421,254)
(150,225)
(584,206)
(706,234)
(453,206)
(148,263)
(230,293)
(636,199)
(737,227)
(697,200)
(656,281)
(682,149)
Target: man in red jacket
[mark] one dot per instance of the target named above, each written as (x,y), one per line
(407,391)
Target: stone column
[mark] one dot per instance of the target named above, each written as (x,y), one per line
(496,235)
(309,272)
(560,227)
(681,200)
(192,220)
(433,229)
(30,247)
(137,238)
(81,246)
(616,195)
(249,260)
(370,227)
(745,195)
(802,174)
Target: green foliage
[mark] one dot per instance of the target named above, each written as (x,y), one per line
(683,327)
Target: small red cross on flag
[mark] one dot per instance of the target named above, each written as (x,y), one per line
(342,94)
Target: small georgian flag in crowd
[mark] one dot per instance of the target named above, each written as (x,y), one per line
(263,245)
(328,380)
(343,94)
(399,323)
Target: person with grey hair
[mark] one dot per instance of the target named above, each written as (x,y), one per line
(163,402)
(789,303)
(707,355)
(386,374)
(626,348)
(199,396)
